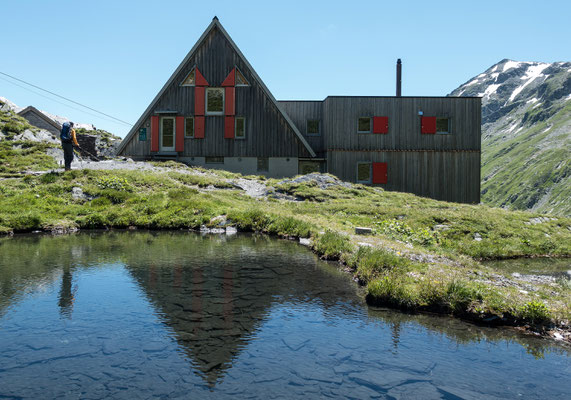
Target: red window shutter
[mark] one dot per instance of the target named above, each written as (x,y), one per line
(380,124)
(179,141)
(428,125)
(154,133)
(230,79)
(229,100)
(199,127)
(199,100)
(199,79)
(228,127)
(380,172)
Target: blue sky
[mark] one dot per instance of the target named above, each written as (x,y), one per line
(115,56)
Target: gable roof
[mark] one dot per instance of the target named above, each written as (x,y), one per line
(41,115)
(215,24)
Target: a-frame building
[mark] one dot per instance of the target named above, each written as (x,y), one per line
(215,112)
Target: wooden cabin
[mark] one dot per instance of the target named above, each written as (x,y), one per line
(216,112)
(39,119)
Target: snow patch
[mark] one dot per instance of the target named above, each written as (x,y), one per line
(532,73)
(489,90)
(510,65)
(60,120)
(534,100)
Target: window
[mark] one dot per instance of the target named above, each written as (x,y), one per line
(307,167)
(442,125)
(263,164)
(189,127)
(312,127)
(240,80)
(364,172)
(364,125)
(215,101)
(214,160)
(189,80)
(240,129)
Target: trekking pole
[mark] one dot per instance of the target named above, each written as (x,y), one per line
(94,156)
(80,158)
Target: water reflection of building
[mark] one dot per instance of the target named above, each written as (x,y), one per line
(215,303)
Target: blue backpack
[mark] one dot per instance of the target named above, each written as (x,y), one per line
(65,134)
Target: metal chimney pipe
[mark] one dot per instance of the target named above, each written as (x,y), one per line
(399,77)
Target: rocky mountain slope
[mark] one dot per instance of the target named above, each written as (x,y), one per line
(526,134)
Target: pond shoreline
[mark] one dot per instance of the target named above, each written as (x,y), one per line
(560,332)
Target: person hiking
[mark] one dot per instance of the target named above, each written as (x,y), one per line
(68,139)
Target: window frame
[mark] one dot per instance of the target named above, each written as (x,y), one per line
(318,133)
(193,70)
(185,126)
(370,163)
(449,131)
(211,89)
(370,125)
(219,161)
(258,164)
(236,79)
(236,128)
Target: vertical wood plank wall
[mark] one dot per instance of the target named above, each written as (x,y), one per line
(267,132)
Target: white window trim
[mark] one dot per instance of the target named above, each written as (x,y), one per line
(370,163)
(206,101)
(236,128)
(185,135)
(161,147)
(318,127)
(370,125)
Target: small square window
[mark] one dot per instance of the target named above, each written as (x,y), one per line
(312,127)
(442,125)
(364,125)
(215,101)
(240,129)
(364,172)
(189,127)
(263,164)
(214,160)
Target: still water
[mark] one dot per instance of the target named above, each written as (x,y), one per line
(179,315)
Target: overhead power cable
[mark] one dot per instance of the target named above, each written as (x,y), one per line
(37,93)
(65,98)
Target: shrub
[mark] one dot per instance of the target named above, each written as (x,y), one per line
(535,312)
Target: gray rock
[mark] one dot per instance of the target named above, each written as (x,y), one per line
(363,231)
(305,241)
(323,181)
(230,230)
(477,237)
(441,227)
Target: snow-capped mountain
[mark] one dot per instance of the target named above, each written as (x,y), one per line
(526,134)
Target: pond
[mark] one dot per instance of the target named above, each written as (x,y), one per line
(556,267)
(179,315)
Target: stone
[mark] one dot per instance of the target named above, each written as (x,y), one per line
(305,241)
(441,227)
(364,244)
(230,230)
(557,336)
(363,231)
(477,237)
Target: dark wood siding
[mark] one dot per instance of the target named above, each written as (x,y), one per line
(441,175)
(267,132)
(342,113)
(300,112)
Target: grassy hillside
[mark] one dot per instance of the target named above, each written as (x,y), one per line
(533,169)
